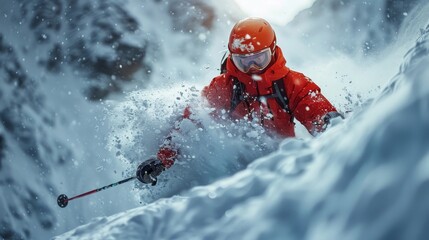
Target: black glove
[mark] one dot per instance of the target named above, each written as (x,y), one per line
(149,170)
(320,125)
(331,115)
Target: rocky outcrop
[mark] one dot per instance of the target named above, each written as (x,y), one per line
(92,37)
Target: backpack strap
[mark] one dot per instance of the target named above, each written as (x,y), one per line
(223,63)
(238,90)
(279,94)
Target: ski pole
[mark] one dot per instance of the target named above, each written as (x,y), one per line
(63,200)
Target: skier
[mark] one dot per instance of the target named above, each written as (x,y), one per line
(255,84)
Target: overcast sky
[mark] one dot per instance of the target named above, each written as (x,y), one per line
(275,11)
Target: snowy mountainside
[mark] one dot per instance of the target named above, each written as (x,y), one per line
(365,178)
(362,27)
(27,143)
(59,62)
(100,41)
(312,190)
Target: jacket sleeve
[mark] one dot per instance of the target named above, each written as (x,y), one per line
(308,105)
(218,93)
(169,151)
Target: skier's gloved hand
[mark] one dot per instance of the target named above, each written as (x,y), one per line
(321,124)
(167,155)
(149,170)
(332,118)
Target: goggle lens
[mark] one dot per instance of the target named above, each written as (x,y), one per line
(257,61)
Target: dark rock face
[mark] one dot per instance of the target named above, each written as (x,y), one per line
(89,36)
(94,37)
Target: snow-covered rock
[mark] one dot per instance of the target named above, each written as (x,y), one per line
(99,40)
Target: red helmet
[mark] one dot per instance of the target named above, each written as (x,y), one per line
(252,43)
(251,35)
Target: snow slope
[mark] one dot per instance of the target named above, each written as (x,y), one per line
(365,178)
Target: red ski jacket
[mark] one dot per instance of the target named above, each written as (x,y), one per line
(302,96)
(274,97)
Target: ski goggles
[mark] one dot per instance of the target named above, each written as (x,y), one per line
(256,61)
